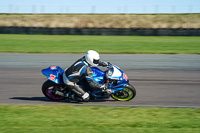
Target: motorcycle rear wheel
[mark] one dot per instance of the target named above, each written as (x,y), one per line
(128,93)
(48,89)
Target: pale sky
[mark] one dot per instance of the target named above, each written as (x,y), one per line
(99,6)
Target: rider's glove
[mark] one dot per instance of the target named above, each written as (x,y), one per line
(105,64)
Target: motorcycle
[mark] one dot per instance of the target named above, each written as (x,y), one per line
(116,81)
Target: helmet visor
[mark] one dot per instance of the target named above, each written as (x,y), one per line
(95,61)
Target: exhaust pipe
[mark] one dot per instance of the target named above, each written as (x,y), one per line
(59,93)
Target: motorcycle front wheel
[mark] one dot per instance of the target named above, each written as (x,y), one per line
(49,88)
(128,93)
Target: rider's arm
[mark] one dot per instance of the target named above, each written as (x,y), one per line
(92,83)
(103,64)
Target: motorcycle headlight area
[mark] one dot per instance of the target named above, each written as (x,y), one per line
(110,72)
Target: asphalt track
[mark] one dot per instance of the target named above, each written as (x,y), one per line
(160,80)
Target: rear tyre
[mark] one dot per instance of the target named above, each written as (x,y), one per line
(126,94)
(49,88)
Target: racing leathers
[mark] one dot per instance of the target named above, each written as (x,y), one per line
(78,71)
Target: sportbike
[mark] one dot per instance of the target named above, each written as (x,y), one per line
(116,81)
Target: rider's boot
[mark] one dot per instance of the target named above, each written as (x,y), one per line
(81,94)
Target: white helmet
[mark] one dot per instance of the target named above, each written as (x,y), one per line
(92,58)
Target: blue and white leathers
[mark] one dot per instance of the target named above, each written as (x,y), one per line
(72,75)
(78,71)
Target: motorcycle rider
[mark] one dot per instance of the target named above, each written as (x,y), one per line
(80,70)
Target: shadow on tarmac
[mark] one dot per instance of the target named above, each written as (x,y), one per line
(44,99)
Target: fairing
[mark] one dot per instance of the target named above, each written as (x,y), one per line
(54,73)
(117,75)
(98,74)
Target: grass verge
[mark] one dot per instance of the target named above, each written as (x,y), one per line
(103,44)
(77,119)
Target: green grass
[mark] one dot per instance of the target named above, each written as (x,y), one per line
(103,44)
(81,119)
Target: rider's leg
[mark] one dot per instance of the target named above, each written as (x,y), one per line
(77,89)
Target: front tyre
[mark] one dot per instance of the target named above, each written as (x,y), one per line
(126,94)
(49,88)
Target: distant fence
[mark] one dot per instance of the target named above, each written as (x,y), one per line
(102,31)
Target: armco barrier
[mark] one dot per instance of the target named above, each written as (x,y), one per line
(102,31)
